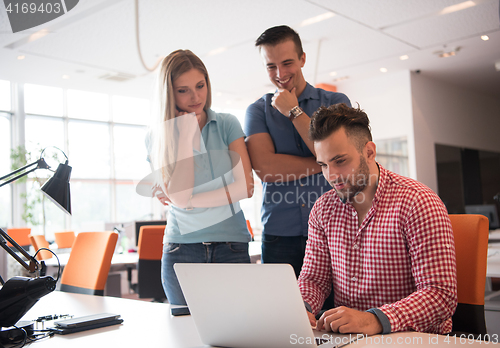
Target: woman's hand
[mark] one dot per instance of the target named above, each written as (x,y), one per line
(187,124)
(162,197)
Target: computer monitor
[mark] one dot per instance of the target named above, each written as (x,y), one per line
(488,210)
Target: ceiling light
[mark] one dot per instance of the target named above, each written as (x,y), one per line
(404,57)
(218,94)
(316,19)
(21,57)
(66,77)
(342,78)
(485,37)
(384,70)
(217,51)
(457,7)
(497,66)
(39,34)
(448,53)
(333,73)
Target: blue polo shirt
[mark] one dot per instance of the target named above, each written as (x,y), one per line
(286,205)
(212,169)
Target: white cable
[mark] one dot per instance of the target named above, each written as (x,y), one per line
(138,40)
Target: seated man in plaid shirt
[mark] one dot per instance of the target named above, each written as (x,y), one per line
(382,242)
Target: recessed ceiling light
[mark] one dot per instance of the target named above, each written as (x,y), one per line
(384,70)
(316,19)
(342,78)
(448,52)
(66,77)
(485,37)
(21,57)
(217,51)
(333,73)
(404,57)
(457,7)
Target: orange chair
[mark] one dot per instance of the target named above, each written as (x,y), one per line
(89,262)
(20,235)
(150,250)
(471,245)
(38,241)
(250,229)
(64,239)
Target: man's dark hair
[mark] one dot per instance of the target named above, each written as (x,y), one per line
(279,34)
(327,120)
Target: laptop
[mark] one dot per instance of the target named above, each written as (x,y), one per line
(246,305)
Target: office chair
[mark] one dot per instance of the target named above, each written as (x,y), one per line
(89,261)
(21,236)
(150,249)
(38,241)
(471,245)
(64,240)
(250,230)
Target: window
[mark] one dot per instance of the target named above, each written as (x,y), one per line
(130,152)
(43,100)
(5,194)
(89,150)
(44,133)
(88,105)
(104,139)
(5,95)
(392,154)
(131,110)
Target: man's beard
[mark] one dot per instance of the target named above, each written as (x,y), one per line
(354,183)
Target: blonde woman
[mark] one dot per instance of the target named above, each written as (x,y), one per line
(203,170)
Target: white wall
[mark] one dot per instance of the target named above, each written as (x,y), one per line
(450,115)
(386,100)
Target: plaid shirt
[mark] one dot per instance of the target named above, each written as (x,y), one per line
(400,260)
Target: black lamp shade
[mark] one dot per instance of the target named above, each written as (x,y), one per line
(57,187)
(19,294)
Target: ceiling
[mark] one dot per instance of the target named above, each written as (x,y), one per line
(97,39)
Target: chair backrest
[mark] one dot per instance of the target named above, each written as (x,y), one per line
(249,226)
(89,261)
(150,246)
(38,241)
(64,239)
(150,250)
(20,235)
(471,246)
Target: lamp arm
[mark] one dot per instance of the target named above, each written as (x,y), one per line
(32,266)
(41,164)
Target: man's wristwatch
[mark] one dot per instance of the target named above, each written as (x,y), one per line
(294,113)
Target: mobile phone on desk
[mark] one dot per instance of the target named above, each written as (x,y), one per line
(176,311)
(87,320)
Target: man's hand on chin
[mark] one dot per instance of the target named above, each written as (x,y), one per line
(348,320)
(284,101)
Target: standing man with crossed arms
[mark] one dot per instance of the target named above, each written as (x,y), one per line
(282,156)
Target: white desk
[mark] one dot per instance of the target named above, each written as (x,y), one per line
(149,324)
(118,262)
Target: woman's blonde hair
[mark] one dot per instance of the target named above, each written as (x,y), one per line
(164,149)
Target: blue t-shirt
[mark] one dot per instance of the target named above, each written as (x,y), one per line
(286,205)
(212,166)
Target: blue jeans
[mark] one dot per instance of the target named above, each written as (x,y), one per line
(291,250)
(220,252)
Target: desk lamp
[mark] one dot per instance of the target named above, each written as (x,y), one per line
(19,294)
